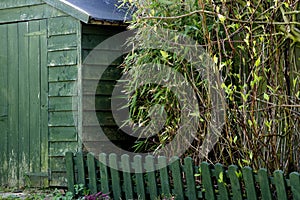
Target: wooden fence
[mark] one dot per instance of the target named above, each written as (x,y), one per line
(179,180)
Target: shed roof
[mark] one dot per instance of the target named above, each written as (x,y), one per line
(92,10)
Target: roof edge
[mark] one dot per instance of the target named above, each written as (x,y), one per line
(70,9)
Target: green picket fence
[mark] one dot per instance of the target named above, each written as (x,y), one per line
(181,180)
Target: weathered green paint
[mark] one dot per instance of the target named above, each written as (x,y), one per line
(3,104)
(56,150)
(62,26)
(62,42)
(64,73)
(62,118)
(62,103)
(63,134)
(26,101)
(61,58)
(40,79)
(63,89)
(82,16)
(18,3)
(33,12)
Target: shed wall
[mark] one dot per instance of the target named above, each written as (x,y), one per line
(61,50)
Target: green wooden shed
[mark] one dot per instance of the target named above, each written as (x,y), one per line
(43,44)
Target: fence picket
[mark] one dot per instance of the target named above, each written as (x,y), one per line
(125,164)
(176,174)
(140,186)
(235,183)
(92,173)
(151,179)
(164,177)
(221,177)
(190,179)
(280,185)
(295,185)
(70,171)
(103,173)
(264,184)
(207,182)
(249,183)
(80,168)
(115,177)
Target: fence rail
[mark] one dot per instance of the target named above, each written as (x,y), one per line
(181,180)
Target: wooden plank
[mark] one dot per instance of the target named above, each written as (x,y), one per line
(62,26)
(44,132)
(176,174)
(58,179)
(139,176)
(92,173)
(63,134)
(63,89)
(63,73)
(35,96)
(249,183)
(62,42)
(101,57)
(103,173)
(98,103)
(76,13)
(206,181)
(70,172)
(18,3)
(295,184)
(115,177)
(24,130)
(34,12)
(164,176)
(235,183)
(3,104)
(190,178)
(125,165)
(62,104)
(108,73)
(62,58)
(104,118)
(92,40)
(221,177)
(96,87)
(60,148)
(113,133)
(264,184)
(67,118)
(80,168)
(57,163)
(151,178)
(13,109)
(280,185)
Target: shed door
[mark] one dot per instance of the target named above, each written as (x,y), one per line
(23,101)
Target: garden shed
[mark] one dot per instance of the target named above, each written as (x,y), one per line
(43,44)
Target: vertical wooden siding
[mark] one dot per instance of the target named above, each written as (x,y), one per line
(24,91)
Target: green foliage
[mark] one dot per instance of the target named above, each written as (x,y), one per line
(256,47)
